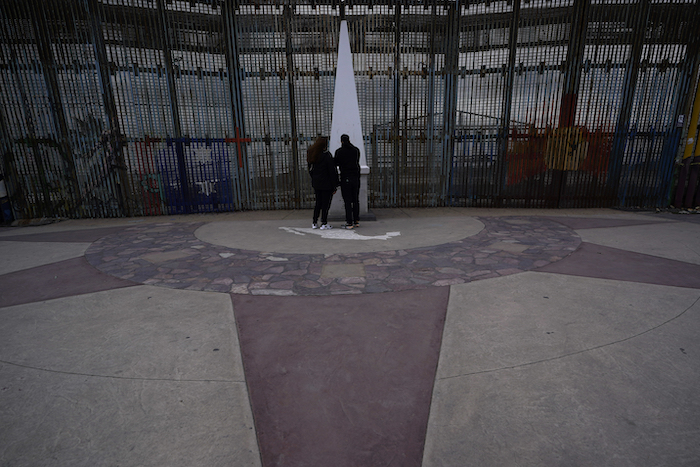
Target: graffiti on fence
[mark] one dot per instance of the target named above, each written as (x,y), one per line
(564,149)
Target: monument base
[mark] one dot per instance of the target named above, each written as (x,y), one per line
(337,211)
(369,216)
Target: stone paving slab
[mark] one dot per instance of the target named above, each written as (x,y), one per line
(171,255)
(538,316)
(567,371)
(16,256)
(138,376)
(55,419)
(140,332)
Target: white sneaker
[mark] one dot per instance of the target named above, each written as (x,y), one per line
(326,227)
(314,226)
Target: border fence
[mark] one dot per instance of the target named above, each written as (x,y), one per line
(147,107)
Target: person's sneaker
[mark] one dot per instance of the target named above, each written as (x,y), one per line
(314,226)
(357,224)
(348,227)
(326,227)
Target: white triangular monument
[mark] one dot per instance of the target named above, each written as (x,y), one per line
(346,121)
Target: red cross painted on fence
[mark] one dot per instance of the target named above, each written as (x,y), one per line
(238,140)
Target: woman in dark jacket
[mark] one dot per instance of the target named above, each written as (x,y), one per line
(324,179)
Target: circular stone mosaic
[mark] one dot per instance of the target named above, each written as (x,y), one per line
(171,255)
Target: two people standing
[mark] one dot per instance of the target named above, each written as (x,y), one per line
(324,179)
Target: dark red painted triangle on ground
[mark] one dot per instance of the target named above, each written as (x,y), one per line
(602,262)
(78,236)
(597,223)
(341,380)
(62,279)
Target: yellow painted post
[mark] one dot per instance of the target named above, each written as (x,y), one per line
(690,141)
(696,160)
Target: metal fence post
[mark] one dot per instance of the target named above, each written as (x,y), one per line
(690,76)
(504,130)
(621,128)
(451,74)
(57,111)
(174,106)
(569,98)
(104,75)
(235,78)
(294,137)
(395,179)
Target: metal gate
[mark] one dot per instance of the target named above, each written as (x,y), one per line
(147,107)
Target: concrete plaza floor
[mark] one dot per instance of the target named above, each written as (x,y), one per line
(429,337)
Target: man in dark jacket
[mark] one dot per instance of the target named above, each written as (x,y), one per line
(347,158)
(324,179)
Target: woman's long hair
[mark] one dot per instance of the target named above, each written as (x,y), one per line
(316,149)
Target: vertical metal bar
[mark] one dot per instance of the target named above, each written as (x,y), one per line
(33,173)
(433,169)
(40,25)
(7,112)
(21,128)
(291,75)
(504,127)
(235,79)
(574,62)
(31,140)
(6,168)
(105,80)
(631,76)
(569,98)
(174,106)
(396,163)
(451,77)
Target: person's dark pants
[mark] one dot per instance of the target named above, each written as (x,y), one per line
(323,204)
(350,188)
